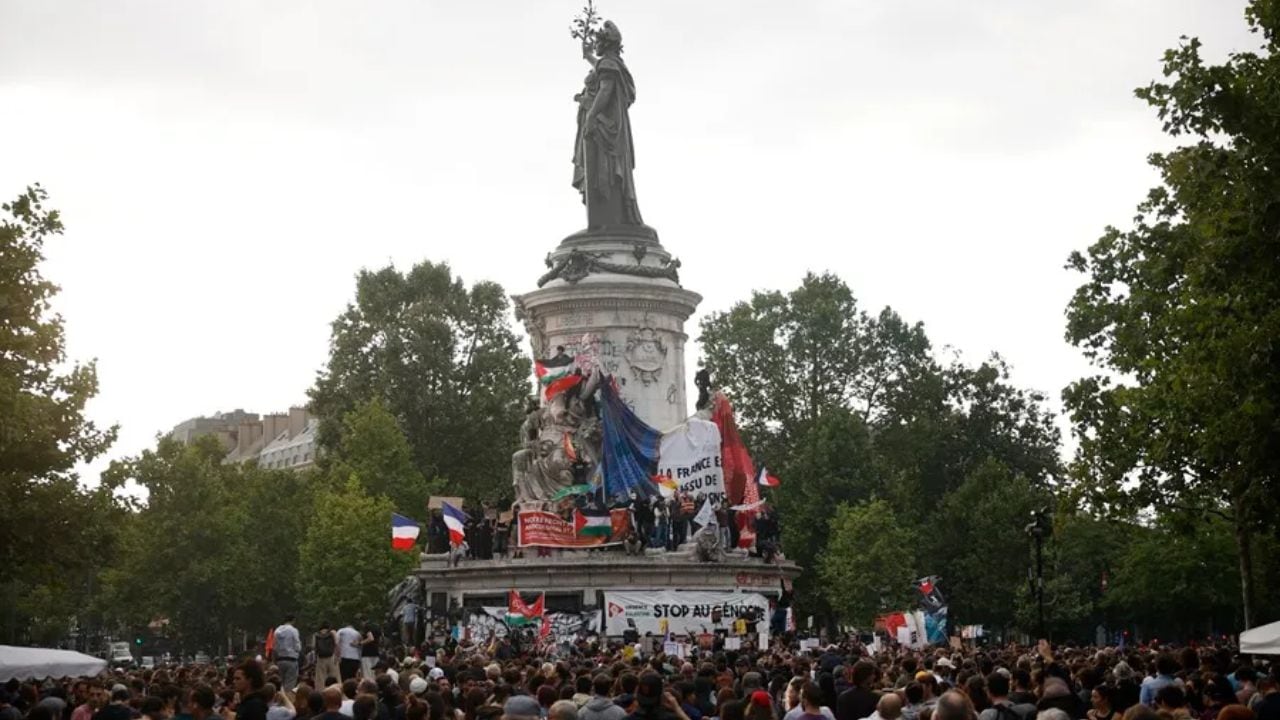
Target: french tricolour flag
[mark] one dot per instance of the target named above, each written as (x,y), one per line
(765,479)
(456,521)
(404,532)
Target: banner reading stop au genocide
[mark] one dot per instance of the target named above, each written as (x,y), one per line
(545,529)
(690,455)
(685,613)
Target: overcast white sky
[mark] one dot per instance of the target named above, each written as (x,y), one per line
(225,167)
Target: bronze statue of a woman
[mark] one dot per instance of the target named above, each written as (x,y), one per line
(604,155)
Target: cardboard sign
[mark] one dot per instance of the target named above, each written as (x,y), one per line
(437,502)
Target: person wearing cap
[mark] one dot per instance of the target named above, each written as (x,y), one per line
(118,708)
(943,669)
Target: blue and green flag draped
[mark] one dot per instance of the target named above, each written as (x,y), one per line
(630,447)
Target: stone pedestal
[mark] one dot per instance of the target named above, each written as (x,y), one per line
(590,572)
(615,295)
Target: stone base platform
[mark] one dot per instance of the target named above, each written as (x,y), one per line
(576,579)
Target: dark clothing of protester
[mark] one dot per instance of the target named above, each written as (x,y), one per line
(116,711)
(368,648)
(1126,695)
(348,667)
(331,715)
(252,708)
(1022,697)
(856,703)
(437,535)
(1269,707)
(657,713)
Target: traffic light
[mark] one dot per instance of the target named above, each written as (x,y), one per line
(137,641)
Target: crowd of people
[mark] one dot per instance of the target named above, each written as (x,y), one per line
(656,522)
(349,674)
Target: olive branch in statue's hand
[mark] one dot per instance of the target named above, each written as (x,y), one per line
(585,26)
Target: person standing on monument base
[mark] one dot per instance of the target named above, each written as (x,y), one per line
(369,650)
(348,652)
(287,652)
(325,645)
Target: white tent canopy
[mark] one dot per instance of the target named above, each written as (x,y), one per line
(28,663)
(1262,640)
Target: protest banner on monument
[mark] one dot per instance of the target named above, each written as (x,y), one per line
(545,529)
(684,613)
(690,455)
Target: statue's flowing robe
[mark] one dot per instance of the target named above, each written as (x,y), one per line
(608,152)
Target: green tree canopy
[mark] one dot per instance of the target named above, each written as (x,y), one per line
(54,532)
(214,548)
(373,450)
(868,565)
(347,564)
(443,360)
(980,539)
(1181,311)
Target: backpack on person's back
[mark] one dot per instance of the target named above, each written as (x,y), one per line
(326,644)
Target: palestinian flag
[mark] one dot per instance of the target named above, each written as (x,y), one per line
(763,478)
(594,523)
(518,613)
(556,374)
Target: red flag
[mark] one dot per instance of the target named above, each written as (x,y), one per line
(539,608)
(545,631)
(739,470)
(558,386)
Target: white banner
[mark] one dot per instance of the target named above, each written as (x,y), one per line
(690,455)
(685,613)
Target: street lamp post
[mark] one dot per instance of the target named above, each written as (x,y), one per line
(1037,528)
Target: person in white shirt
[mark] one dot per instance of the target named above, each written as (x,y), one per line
(288,648)
(348,651)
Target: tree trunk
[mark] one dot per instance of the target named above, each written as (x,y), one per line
(1245,552)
